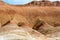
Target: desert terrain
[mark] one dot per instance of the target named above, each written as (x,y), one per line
(45,20)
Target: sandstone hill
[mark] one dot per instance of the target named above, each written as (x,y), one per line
(45,19)
(8,12)
(44,3)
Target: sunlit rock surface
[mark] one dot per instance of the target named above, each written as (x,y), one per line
(13,32)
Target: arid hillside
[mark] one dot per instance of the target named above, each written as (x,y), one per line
(8,12)
(45,19)
(44,3)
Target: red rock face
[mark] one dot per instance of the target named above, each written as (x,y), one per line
(44,3)
(13,17)
(28,12)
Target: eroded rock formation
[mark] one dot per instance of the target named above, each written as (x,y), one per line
(44,3)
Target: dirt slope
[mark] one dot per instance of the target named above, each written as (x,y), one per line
(44,18)
(8,12)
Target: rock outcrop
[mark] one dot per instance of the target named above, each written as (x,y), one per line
(44,3)
(14,32)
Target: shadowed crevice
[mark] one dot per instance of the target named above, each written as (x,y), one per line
(6,23)
(37,24)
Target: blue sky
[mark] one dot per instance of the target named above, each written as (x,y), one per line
(19,1)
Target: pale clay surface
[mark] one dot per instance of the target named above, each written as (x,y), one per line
(13,32)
